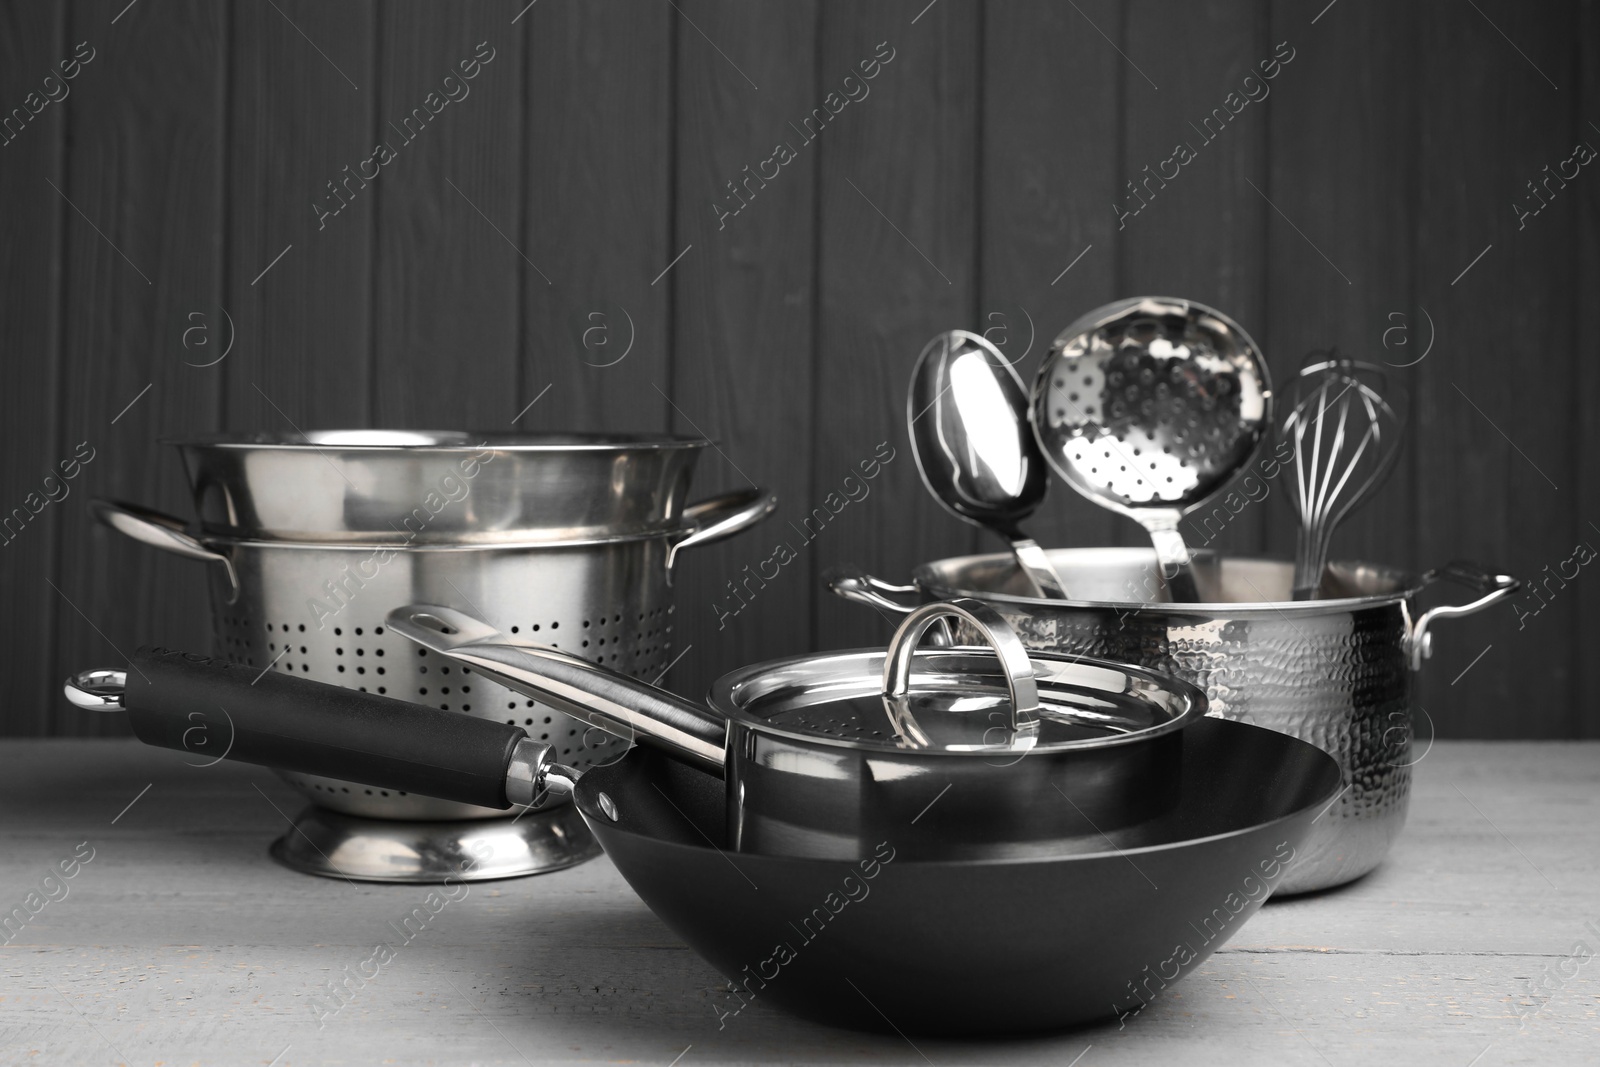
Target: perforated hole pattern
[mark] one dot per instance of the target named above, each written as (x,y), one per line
(367,658)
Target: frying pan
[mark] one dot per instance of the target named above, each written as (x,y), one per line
(824,754)
(883,942)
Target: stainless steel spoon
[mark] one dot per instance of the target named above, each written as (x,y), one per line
(1149,406)
(967,411)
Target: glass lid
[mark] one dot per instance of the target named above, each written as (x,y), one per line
(958,701)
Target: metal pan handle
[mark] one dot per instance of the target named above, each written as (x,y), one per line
(216,711)
(1008,647)
(163,531)
(1491,586)
(721,516)
(620,705)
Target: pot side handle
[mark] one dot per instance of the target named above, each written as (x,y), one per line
(722,516)
(852,584)
(1490,586)
(163,531)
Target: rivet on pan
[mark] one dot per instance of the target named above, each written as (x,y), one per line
(607,806)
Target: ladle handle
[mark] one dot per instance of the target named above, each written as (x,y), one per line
(215,711)
(1008,648)
(1036,567)
(626,707)
(1172,554)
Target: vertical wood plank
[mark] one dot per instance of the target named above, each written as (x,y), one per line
(1343,172)
(1200,234)
(1496,478)
(142,258)
(598,215)
(1586,358)
(743,312)
(1052,89)
(897,264)
(447,275)
(303,97)
(33,41)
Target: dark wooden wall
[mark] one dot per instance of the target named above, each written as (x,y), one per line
(1366,202)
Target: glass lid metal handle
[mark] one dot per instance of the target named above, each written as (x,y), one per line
(1007,646)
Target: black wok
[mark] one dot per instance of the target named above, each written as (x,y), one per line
(976,947)
(960,947)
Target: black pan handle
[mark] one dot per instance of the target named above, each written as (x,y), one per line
(219,710)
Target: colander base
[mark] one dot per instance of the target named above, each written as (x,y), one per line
(332,844)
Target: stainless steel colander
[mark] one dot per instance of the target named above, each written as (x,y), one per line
(316,610)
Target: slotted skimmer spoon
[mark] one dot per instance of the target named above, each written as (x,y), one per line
(1148,407)
(1346,439)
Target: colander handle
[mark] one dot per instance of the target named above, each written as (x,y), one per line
(722,516)
(215,710)
(1492,587)
(163,531)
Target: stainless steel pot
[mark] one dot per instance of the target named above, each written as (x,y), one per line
(436,486)
(1336,672)
(824,755)
(317,610)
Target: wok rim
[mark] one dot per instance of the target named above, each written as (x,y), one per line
(588,786)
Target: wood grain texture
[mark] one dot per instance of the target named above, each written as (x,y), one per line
(1335,126)
(897,265)
(988,155)
(303,93)
(1052,125)
(33,40)
(446,275)
(145,155)
(180,941)
(1201,234)
(744,305)
(1586,347)
(597,210)
(1496,471)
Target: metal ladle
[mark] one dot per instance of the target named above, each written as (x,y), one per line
(967,412)
(1149,406)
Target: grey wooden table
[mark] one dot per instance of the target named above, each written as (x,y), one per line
(178,942)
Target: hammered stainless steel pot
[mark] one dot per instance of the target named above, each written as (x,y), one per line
(372,485)
(1336,672)
(317,611)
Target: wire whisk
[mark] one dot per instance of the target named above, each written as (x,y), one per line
(1346,437)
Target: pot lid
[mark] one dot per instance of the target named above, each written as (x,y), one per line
(958,701)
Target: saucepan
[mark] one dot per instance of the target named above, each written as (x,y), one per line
(883,941)
(1337,672)
(959,752)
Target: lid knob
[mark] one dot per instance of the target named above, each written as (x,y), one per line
(1008,648)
